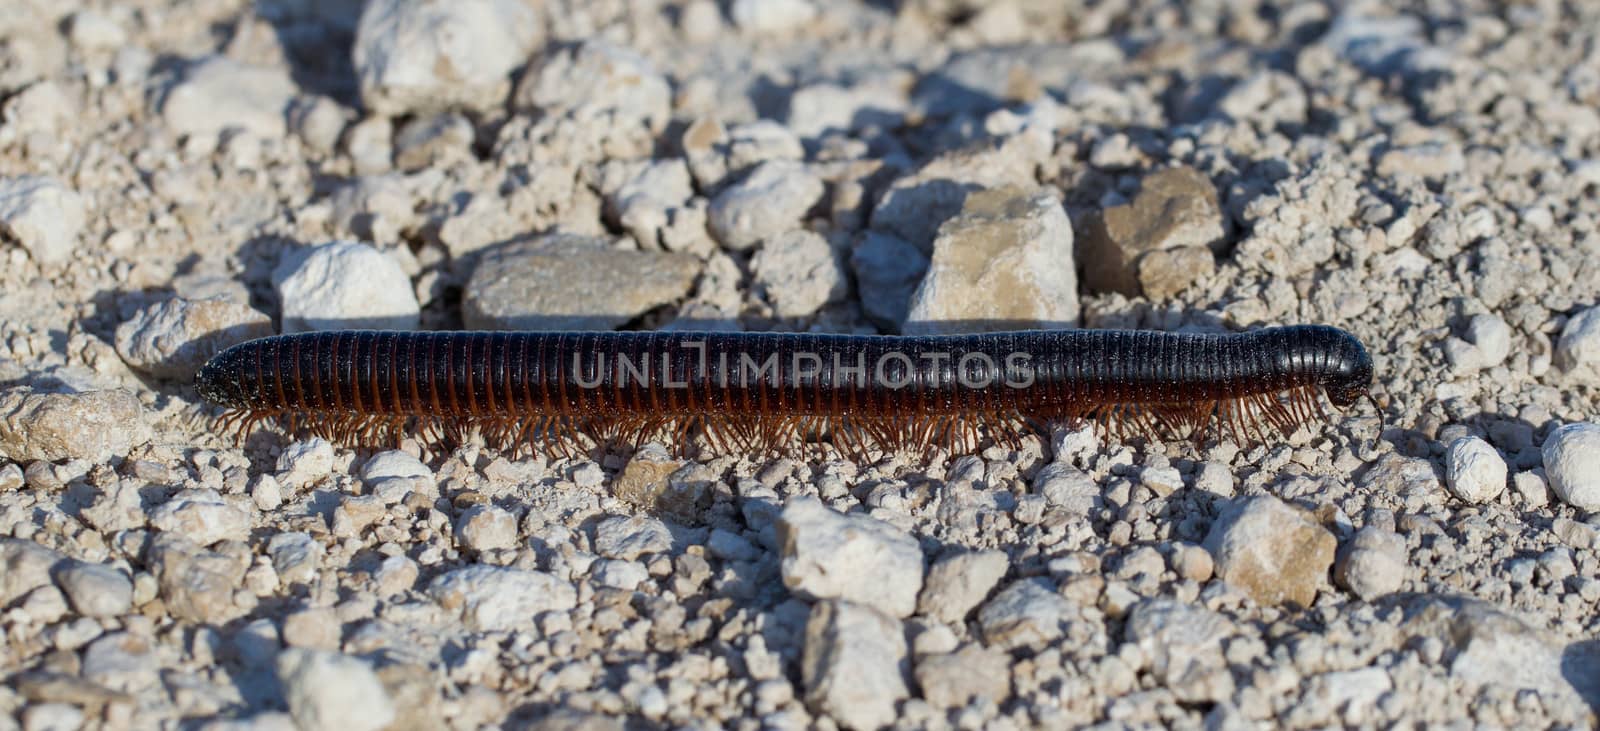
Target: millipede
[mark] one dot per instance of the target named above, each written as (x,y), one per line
(767,392)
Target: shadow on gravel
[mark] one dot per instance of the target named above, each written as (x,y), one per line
(1580,665)
(317,36)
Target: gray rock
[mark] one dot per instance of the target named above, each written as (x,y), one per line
(1158,244)
(771,16)
(628,538)
(490,598)
(1474,470)
(435,141)
(1428,160)
(915,205)
(603,99)
(122,661)
(651,203)
(853,664)
(344,285)
(1267,97)
(954,679)
(1373,565)
(218,93)
(715,152)
(1578,349)
(197,585)
(50,717)
(1027,613)
(1270,550)
(1191,562)
(980,80)
(486,528)
(11,478)
(119,507)
(1006,260)
(570,282)
(172,339)
(879,101)
(91,425)
(858,558)
(202,516)
(959,582)
(304,462)
(432,55)
(772,199)
(1067,487)
(1572,464)
(799,273)
(328,691)
(393,464)
(1532,488)
(42,215)
(1381,44)
(24,566)
(624,575)
(296,557)
(1491,336)
(1485,646)
(1183,645)
(313,627)
(888,271)
(95,590)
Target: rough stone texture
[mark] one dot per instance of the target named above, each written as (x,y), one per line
(960,582)
(486,528)
(1027,613)
(172,339)
(435,54)
(1578,349)
(327,691)
(799,272)
(344,286)
(888,271)
(1184,646)
(1158,243)
(953,679)
(853,664)
(197,585)
(92,425)
(42,215)
(772,199)
(1004,263)
(643,481)
(568,282)
(202,516)
(1270,550)
(1373,564)
(1572,464)
(827,555)
(916,205)
(628,538)
(612,93)
(1474,471)
(218,94)
(496,598)
(26,566)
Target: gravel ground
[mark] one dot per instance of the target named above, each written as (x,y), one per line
(177,176)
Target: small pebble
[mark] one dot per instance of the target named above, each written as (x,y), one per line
(1474,470)
(1572,464)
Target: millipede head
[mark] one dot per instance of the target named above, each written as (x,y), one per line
(1348,378)
(228,380)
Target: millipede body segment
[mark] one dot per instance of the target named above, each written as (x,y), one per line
(767,391)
